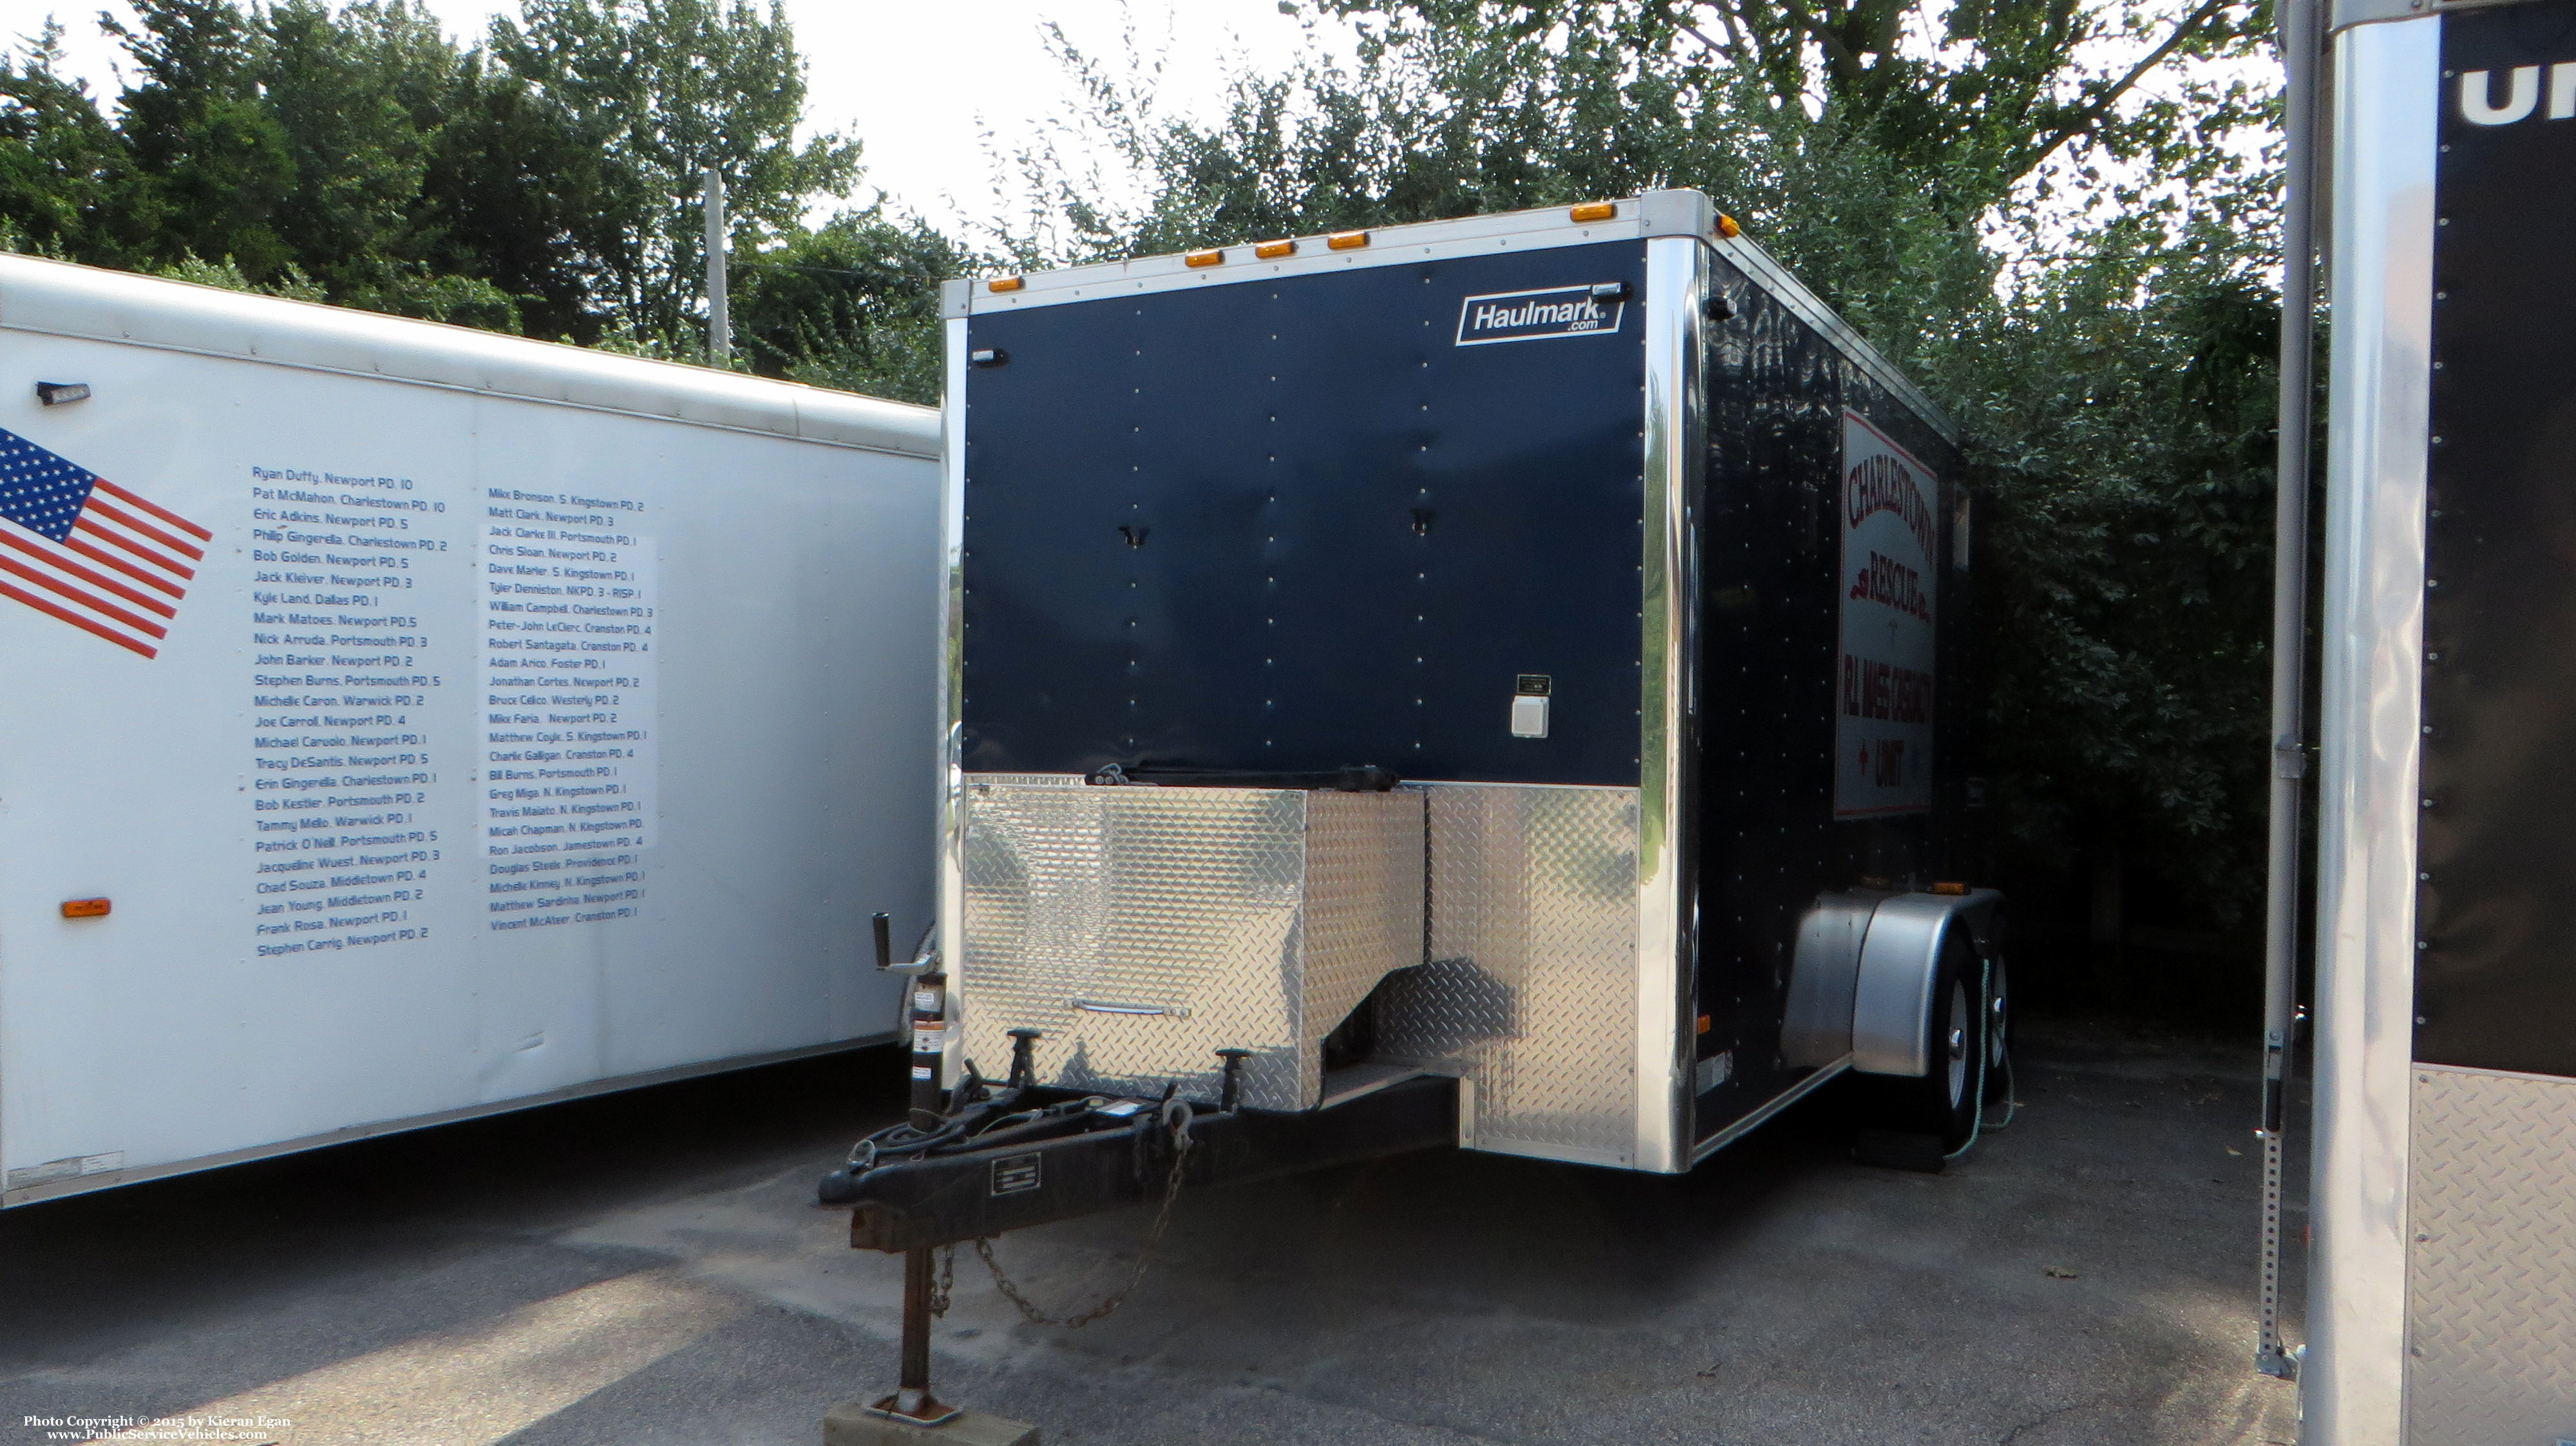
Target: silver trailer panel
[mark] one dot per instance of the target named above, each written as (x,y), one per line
(2444,1245)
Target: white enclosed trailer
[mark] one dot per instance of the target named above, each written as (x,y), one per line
(404,723)
(2442,1305)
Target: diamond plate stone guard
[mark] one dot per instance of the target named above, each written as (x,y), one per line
(1531,988)
(1217,917)
(2491,1267)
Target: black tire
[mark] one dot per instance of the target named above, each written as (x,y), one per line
(1942,1105)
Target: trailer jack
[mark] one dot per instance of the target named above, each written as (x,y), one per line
(1001,1158)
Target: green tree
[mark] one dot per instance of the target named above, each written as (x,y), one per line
(852,304)
(211,161)
(63,169)
(665,89)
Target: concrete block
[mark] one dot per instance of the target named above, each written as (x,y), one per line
(852,1424)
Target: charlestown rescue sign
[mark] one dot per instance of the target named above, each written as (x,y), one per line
(1883,702)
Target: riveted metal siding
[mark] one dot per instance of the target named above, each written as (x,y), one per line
(1355,534)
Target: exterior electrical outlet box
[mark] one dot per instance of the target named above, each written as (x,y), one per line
(1252,524)
(458,722)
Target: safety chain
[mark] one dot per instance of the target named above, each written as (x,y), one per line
(940,1293)
(1144,1258)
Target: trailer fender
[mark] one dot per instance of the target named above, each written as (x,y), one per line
(1900,958)
(1816,1026)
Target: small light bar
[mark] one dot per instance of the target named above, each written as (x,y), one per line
(1006,283)
(1213,256)
(55,394)
(1347,240)
(990,356)
(1949,888)
(1726,226)
(1273,250)
(85,908)
(1594,211)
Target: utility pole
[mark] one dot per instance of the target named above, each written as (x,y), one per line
(719,317)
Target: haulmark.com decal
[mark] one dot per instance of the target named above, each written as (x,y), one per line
(1585,310)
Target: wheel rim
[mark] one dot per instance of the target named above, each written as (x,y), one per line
(1958,1043)
(1996,1024)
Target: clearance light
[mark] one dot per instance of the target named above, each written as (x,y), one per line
(1594,211)
(1726,226)
(1946,888)
(85,908)
(1212,257)
(1347,240)
(1273,250)
(1005,283)
(1703,1024)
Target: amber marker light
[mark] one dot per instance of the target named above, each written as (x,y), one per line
(1273,250)
(1726,226)
(1005,283)
(1347,240)
(1212,257)
(1595,211)
(1949,888)
(85,908)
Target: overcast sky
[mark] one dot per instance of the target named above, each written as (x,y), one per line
(918,81)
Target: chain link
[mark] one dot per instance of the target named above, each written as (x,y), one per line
(940,1293)
(1144,1258)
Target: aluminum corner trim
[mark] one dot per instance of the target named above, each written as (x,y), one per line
(953,297)
(2386,88)
(1651,216)
(2344,14)
(1677,213)
(1677,279)
(949,830)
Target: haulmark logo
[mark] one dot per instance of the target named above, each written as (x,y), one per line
(1586,310)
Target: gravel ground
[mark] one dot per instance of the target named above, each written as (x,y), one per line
(651,1269)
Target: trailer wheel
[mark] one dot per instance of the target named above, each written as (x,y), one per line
(1941,1107)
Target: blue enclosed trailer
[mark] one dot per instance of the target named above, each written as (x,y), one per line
(1500,682)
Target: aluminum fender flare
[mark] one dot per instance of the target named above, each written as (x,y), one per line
(1899,960)
(1824,979)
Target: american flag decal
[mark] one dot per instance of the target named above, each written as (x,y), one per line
(80,548)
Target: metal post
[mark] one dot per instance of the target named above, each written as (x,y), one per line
(719,315)
(2300,49)
(912,1393)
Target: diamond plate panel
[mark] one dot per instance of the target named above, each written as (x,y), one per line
(1531,987)
(1143,929)
(2491,1272)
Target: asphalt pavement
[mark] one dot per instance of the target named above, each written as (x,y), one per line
(651,1268)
